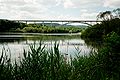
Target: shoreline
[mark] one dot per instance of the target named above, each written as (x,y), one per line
(11,33)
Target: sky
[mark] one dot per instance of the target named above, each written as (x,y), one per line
(55,9)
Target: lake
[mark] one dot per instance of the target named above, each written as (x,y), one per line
(15,43)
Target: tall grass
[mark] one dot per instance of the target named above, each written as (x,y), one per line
(41,64)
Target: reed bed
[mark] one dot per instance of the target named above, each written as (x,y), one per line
(41,64)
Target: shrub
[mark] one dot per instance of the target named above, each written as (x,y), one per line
(101,30)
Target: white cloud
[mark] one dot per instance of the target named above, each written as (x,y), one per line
(66,17)
(112,3)
(81,3)
(59,2)
(84,10)
(88,16)
(53,9)
(13,2)
(68,4)
(19,9)
(48,3)
(33,8)
(30,1)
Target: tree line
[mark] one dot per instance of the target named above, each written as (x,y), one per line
(12,26)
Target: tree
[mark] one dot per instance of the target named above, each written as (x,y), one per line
(117,12)
(107,15)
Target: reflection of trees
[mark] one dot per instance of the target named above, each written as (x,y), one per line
(39,37)
(93,43)
(11,40)
(52,37)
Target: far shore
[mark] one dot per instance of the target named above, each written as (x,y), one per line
(41,33)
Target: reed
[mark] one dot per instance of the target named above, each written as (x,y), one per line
(41,64)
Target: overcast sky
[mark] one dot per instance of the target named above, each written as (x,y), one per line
(55,9)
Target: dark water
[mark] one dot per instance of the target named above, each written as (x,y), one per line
(15,43)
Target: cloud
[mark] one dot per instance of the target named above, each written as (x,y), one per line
(66,17)
(21,9)
(88,16)
(81,3)
(34,8)
(68,4)
(112,3)
(53,9)
(13,2)
(48,3)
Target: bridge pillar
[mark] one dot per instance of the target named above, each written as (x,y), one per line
(62,24)
(26,22)
(18,22)
(51,24)
(43,23)
(34,22)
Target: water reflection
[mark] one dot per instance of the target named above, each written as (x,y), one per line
(68,43)
(94,43)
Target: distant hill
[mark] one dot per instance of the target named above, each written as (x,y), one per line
(49,24)
(60,25)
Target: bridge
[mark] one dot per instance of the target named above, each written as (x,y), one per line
(64,22)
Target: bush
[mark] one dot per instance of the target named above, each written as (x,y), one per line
(95,31)
(113,41)
(111,55)
(101,30)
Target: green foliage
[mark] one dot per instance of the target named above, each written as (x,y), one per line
(107,15)
(109,23)
(101,30)
(42,64)
(95,31)
(6,25)
(108,56)
(11,26)
(111,55)
(113,41)
(46,29)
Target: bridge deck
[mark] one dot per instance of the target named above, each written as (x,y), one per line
(58,21)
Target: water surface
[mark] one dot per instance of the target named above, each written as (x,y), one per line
(15,43)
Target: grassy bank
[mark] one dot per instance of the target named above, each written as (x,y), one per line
(41,64)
